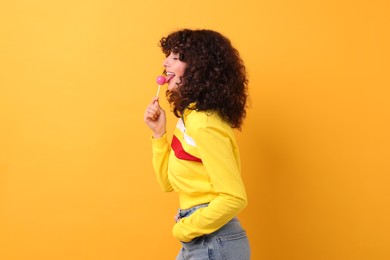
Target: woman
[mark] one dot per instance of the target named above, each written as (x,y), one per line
(207,91)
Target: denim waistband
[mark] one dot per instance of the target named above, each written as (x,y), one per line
(182,213)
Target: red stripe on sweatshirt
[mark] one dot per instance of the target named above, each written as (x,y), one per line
(180,152)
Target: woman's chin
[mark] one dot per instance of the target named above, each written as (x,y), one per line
(172,88)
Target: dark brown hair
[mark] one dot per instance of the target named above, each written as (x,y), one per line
(215,76)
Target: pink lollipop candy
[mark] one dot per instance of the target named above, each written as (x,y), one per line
(161,80)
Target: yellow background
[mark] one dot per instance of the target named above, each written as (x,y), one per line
(76,180)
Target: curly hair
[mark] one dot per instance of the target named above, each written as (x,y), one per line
(215,76)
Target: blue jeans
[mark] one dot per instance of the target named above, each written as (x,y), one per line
(228,243)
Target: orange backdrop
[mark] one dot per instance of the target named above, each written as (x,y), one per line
(76,180)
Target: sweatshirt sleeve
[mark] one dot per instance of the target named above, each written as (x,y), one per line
(161,150)
(220,156)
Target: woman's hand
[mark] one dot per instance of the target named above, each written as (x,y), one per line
(155,118)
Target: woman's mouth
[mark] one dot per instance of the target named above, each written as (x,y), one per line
(170,75)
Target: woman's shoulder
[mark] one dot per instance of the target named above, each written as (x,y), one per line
(205,119)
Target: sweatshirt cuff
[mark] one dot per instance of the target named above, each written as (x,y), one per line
(160,144)
(158,139)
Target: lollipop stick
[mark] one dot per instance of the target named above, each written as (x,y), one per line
(158,90)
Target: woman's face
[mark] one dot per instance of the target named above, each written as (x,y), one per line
(174,69)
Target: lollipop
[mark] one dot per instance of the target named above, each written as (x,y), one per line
(161,80)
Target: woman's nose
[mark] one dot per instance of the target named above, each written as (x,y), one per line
(165,63)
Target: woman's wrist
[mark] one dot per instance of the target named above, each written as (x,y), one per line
(158,135)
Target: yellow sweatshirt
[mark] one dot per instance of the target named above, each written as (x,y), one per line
(202,165)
